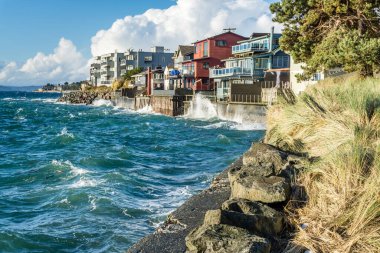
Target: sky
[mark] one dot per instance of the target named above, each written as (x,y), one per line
(54,40)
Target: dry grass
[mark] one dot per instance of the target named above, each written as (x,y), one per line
(337,121)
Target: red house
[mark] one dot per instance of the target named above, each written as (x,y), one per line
(209,53)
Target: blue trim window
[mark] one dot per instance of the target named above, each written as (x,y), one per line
(280,61)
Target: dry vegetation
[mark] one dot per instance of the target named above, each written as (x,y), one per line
(338,122)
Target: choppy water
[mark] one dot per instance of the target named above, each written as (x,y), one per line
(97,179)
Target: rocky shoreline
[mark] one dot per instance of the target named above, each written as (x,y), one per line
(242,211)
(84,97)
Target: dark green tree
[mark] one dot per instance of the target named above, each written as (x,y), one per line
(130,73)
(325,34)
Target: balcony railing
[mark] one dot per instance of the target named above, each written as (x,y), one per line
(250,47)
(187,72)
(226,72)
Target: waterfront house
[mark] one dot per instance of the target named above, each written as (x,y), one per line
(209,53)
(155,81)
(182,75)
(253,60)
(299,86)
(139,80)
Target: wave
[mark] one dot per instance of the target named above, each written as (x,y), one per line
(44,100)
(74,170)
(250,127)
(13,99)
(84,182)
(66,133)
(102,102)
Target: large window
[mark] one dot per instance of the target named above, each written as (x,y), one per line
(205,49)
(281,61)
(261,63)
(221,43)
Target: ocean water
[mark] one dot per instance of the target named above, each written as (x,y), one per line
(79,178)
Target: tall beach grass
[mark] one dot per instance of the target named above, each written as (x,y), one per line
(336,121)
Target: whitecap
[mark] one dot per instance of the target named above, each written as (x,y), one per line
(92,201)
(102,102)
(249,127)
(65,132)
(76,171)
(215,125)
(180,192)
(44,100)
(146,110)
(64,201)
(84,182)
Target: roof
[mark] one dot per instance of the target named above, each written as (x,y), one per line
(186,50)
(257,36)
(219,35)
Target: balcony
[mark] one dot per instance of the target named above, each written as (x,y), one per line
(187,72)
(250,47)
(123,62)
(235,71)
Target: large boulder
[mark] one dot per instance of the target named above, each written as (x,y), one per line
(263,219)
(265,157)
(225,239)
(264,189)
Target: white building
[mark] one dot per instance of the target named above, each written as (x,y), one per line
(300,86)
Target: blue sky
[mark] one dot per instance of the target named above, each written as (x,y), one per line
(54,40)
(30,26)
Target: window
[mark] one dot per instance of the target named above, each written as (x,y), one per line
(130,57)
(261,63)
(206,65)
(130,67)
(205,49)
(316,77)
(281,61)
(221,43)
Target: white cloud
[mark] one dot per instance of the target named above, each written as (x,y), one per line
(183,23)
(64,64)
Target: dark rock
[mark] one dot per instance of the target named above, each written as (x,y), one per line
(225,239)
(83,97)
(254,216)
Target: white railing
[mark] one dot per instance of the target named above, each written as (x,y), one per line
(250,46)
(235,71)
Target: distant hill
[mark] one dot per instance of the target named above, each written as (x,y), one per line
(18,88)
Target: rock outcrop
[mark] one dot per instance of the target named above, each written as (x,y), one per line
(264,178)
(225,239)
(83,97)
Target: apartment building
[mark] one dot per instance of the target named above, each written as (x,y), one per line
(106,68)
